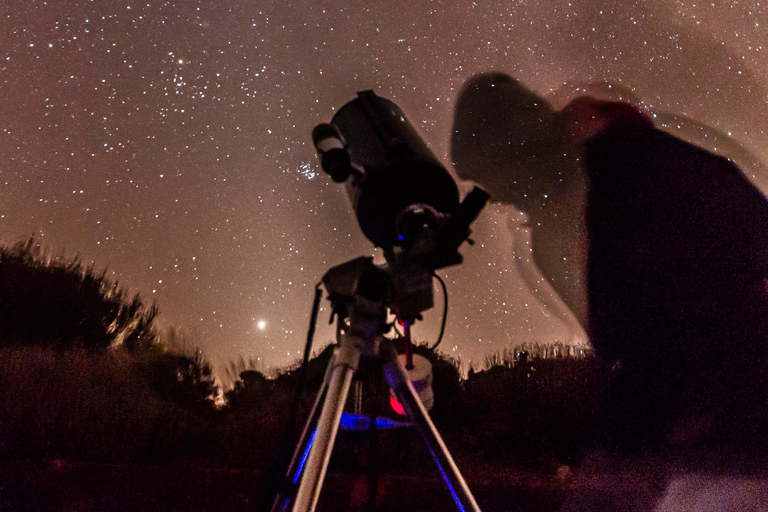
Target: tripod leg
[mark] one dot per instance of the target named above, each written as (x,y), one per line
(373,466)
(398,380)
(306,440)
(345,363)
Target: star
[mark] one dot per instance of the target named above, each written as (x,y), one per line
(172,141)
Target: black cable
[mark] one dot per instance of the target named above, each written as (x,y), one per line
(445,311)
(284,458)
(311,330)
(307,353)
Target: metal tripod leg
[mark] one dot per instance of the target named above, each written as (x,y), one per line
(398,380)
(305,443)
(344,365)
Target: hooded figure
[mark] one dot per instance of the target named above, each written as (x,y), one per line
(660,249)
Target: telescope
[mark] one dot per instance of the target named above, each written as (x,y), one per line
(405,201)
(408,205)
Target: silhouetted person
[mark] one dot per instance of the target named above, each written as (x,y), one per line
(658,247)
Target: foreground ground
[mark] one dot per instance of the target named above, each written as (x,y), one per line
(602,483)
(63,486)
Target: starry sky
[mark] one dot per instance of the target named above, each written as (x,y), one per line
(170,141)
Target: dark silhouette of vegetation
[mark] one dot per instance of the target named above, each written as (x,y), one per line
(533,413)
(92,406)
(55,301)
(535,410)
(83,373)
(86,378)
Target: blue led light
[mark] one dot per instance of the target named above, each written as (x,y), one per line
(363,422)
(450,487)
(304,457)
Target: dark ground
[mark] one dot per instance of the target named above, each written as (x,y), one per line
(62,486)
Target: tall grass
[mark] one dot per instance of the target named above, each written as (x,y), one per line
(85,405)
(52,300)
(535,409)
(118,406)
(84,375)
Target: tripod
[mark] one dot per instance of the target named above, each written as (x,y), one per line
(361,325)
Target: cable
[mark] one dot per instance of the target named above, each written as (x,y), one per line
(312,325)
(278,478)
(307,353)
(445,311)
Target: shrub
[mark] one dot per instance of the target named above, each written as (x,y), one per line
(86,405)
(48,300)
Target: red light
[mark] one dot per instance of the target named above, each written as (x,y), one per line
(397,406)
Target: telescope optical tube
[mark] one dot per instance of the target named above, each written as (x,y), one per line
(399,169)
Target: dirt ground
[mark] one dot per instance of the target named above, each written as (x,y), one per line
(601,483)
(64,486)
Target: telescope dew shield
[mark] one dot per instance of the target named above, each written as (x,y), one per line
(400,170)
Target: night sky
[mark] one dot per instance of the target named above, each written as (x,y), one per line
(170,141)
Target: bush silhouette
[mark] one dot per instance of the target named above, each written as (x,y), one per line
(84,376)
(86,405)
(48,300)
(83,373)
